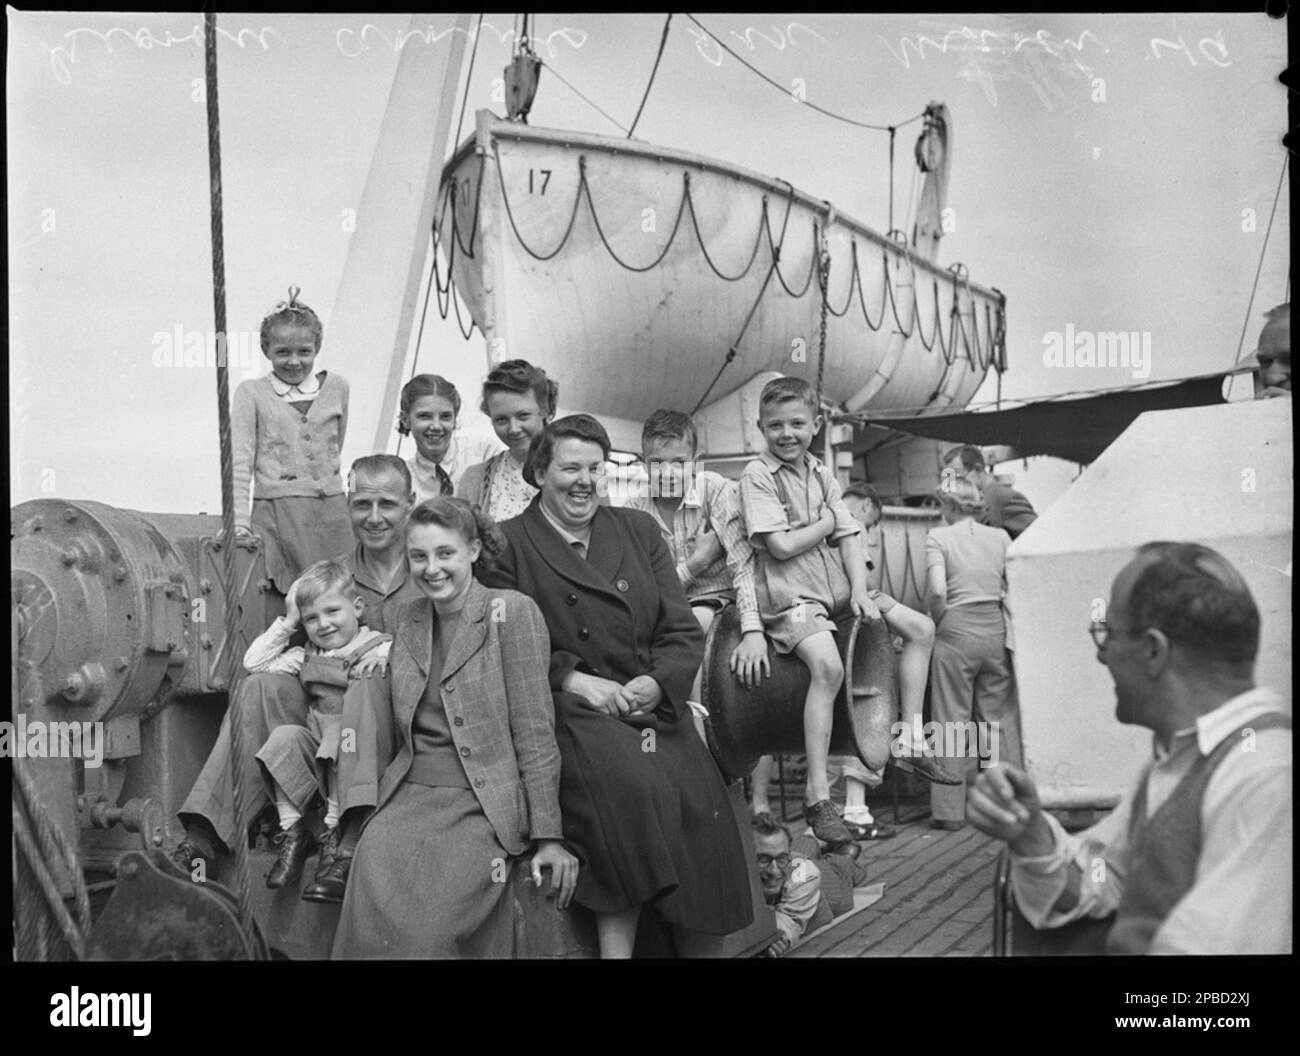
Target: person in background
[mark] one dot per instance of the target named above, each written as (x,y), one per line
(698,515)
(287,431)
(430,406)
(1004,507)
(1198,860)
(520,400)
(971,677)
(864,504)
(1274,354)
(916,631)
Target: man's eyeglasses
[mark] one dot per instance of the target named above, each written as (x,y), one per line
(1101,632)
(764,860)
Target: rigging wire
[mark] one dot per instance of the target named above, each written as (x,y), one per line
(585,99)
(419,336)
(663,39)
(1254,287)
(239,841)
(786,92)
(469,77)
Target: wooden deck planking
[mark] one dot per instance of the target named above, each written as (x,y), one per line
(937,903)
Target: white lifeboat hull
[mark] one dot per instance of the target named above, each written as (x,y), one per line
(628,271)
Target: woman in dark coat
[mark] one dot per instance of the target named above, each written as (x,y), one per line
(643,803)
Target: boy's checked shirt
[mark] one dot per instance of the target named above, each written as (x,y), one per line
(777,496)
(713,500)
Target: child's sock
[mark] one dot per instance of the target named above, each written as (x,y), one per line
(332,798)
(289,814)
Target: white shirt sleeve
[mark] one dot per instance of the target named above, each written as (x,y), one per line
(1090,864)
(269,652)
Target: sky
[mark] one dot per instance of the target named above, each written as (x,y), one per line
(1109,173)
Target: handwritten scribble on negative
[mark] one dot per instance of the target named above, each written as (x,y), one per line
(64,56)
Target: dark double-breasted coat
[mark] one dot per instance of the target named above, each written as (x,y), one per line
(643,803)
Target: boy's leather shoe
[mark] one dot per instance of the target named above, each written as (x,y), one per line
(331,881)
(296,843)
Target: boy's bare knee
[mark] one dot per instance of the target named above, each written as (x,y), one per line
(914,627)
(826,669)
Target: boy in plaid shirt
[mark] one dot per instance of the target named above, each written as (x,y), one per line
(698,514)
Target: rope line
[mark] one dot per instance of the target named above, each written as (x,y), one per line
(469,77)
(229,590)
(786,92)
(773,268)
(1254,286)
(575,91)
(663,39)
(979,351)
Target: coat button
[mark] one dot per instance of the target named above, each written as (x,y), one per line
(306,436)
(622,585)
(450,687)
(571,599)
(584,634)
(464,751)
(458,721)
(478,782)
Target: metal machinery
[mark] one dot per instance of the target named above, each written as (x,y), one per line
(118,644)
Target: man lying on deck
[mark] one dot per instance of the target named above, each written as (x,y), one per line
(1198,859)
(804,889)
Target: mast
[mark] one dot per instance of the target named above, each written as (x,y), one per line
(378,294)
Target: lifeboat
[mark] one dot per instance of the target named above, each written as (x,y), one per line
(660,278)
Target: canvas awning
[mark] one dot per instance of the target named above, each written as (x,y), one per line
(1074,427)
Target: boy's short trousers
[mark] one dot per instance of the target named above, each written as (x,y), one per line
(883,601)
(716,602)
(788,628)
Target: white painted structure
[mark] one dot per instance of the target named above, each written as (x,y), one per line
(1218,475)
(600,259)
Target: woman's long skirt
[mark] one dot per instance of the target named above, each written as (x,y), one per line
(429,880)
(646,810)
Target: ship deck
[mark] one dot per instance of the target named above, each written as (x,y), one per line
(938,889)
(937,902)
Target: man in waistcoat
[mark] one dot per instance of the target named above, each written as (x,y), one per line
(1198,858)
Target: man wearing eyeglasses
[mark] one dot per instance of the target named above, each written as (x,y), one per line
(1198,858)
(791,884)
